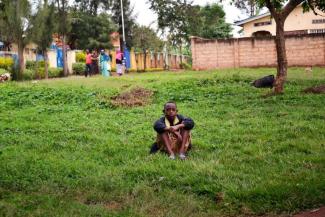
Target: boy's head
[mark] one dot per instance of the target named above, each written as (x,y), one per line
(170,110)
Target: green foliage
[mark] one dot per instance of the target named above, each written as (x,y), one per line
(176,17)
(80,57)
(55,72)
(129,20)
(29,74)
(15,16)
(91,7)
(6,63)
(250,7)
(43,26)
(213,22)
(78,68)
(81,37)
(146,39)
(31,64)
(65,150)
(3,71)
(185,66)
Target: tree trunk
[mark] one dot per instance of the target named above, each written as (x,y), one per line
(46,64)
(21,65)
(64,53)
(281,56)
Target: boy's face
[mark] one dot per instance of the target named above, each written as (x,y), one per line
(170,110)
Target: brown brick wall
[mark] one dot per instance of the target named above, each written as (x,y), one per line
(303,50)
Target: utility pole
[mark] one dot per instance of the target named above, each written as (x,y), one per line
(122,14)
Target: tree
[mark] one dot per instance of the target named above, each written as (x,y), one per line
(212,22)
(146,39)
(280,10)
(7,39)
(250,7)
(129,20)
(92,6)
(43,29)
(15,26)
(88,32)
(63,29)
(177,18)
(173,16)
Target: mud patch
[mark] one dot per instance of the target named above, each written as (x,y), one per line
(316,90)
(313,213)
(135,97)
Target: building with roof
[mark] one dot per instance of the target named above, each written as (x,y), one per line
(297,23)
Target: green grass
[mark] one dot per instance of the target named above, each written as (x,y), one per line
(66,151)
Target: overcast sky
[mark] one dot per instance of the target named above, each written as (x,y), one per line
(145,16)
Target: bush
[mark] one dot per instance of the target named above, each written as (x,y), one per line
(55,72)
(185,66)
(31,64)
(80,57)
(28,74)
(6,63)
(3,71)
(78,68)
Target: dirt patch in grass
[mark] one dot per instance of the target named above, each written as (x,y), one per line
(313,213)
(135,97)
(315,90)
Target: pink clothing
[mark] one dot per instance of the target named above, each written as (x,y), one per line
(88,58)
(119,55)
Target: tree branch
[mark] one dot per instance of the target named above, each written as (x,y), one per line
(271,8)
(290,6)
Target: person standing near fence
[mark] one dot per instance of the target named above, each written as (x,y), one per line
(103,59)
(94,62)
(119,63)
(88,63)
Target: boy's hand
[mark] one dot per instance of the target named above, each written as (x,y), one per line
(171,129)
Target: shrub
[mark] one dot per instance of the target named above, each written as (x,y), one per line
(3,71)
(80,57)
(31,64)
(78,68)
(28,74)
(39,73)
(185,66)
(55,72)
(6,63)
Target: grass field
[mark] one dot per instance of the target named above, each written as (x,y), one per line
(66,151)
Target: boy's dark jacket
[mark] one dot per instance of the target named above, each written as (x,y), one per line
(162,123)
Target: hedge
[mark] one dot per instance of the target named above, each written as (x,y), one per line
(80,57)
(28,74)
(78,68)
(6,63)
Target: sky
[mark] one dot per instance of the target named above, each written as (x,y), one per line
(147,17)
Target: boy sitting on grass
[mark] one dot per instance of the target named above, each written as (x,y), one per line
(173,132)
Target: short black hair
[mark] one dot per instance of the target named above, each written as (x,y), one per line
(173,102)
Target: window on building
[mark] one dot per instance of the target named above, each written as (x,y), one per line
(318,21)
(311,31)
(263,23)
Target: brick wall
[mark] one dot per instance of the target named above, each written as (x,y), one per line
(303,50)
